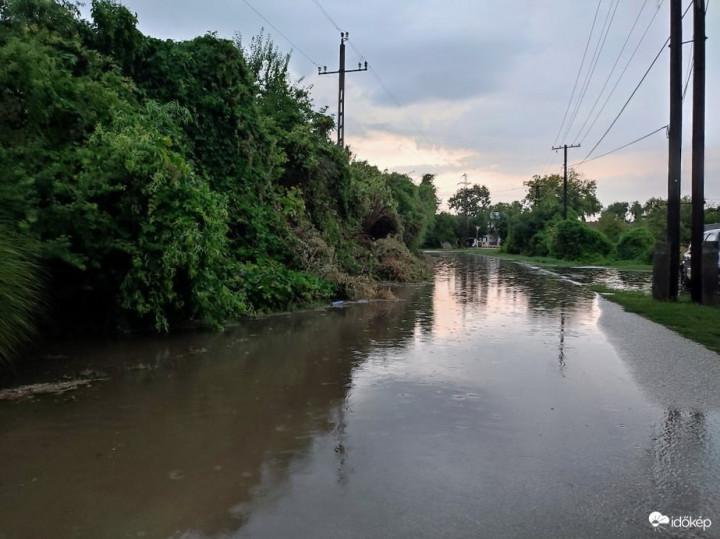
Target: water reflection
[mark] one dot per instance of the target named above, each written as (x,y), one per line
(561,353)
(621,279)
(497,401)
(188,440)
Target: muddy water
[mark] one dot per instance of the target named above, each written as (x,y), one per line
(495,401)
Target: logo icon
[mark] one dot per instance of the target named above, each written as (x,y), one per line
(656,518)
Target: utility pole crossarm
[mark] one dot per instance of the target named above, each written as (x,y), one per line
(361,67)
(565,147)
(341,71)
(568,146)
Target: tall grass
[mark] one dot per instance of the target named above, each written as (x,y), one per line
(19,293)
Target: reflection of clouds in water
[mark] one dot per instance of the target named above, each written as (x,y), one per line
(474,295)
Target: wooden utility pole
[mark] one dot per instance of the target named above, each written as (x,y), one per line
(466,195)
(675,147)
(698,152)
(344,36)
(565,147)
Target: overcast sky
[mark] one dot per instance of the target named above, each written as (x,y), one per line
(481,86)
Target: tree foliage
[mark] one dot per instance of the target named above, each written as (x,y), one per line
(574,240)
(166,181)
(582,193)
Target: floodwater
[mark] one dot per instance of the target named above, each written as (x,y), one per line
(496,401)
(621,279)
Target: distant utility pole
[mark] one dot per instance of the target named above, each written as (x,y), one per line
(675,147)
(466,185)
(344,36)
(565,147)
(698,151)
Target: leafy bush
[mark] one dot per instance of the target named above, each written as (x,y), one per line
(527,224)
(166,181)
(396,262)
(269,285)
(636,244)
(574,240)
(611,226)
(539,244)
(443,231)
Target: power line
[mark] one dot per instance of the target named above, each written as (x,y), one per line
(690,71)
(622,73)
(282,34)
(328,17)
(602,38)
(375,73)
(612,124)
(577,77)
(639,139)
(612,70)
(647,71)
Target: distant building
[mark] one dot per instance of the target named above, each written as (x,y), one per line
(489,240)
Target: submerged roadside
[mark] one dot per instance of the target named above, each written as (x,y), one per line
(550,262)
(699,323)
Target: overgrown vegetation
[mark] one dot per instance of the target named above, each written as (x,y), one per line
(19,292)
(170,181)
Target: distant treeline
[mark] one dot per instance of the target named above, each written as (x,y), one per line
(150,181)
(534,226)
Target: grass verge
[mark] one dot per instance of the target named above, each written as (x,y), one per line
(700,323)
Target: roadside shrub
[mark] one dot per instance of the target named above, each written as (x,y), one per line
(574,240)
(636,244)
(442,231)
(269,285)
(396,262)
(612,226)
(539,244)
(531,223)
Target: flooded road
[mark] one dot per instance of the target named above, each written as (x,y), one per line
(497,401)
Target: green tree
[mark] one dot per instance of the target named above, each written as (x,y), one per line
(472,201)
(574,240)
(636,210)
(582,193)
(166,181)
(618,209)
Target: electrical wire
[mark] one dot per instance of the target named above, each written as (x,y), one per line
(612,70)
(639,139)
(622,73)
(282,34)
(577,77)
(327,16)
(690,71)
(596,57)
(373,71)
(612,124)
(637,87)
